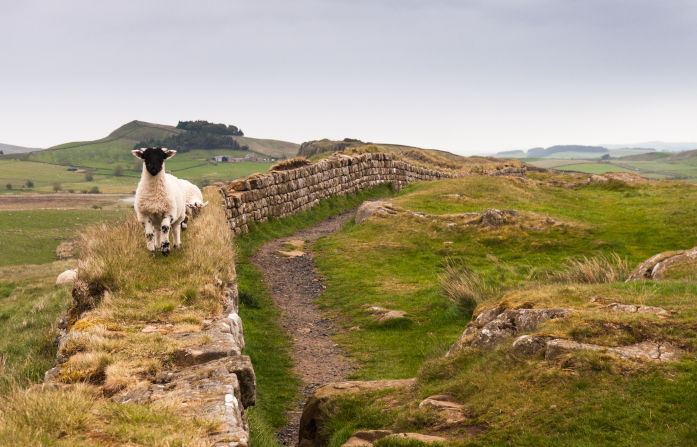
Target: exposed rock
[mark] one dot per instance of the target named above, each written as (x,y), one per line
(595,178)
(647,351)
(493,217)
(209,390)
(628,178)
(65,250)
(656,266)
(383,314)
(366,437)
(631,308)
(453,413)
(375,207)
(67,277)
(291,254)
(369,437)
(315,410)
(485,332)
(426,439)
(530,345)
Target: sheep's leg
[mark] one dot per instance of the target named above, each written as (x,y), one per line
(165,226)
(176,234)
(149,233)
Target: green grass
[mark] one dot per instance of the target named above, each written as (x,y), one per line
(592,168)
(30,304)
(395,262)
(31,236)
(266,343)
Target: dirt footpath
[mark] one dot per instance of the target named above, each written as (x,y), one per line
(294,283)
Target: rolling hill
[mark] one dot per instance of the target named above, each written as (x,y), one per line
(12,149)
(114,169)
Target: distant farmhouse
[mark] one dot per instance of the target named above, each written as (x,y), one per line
(248,157)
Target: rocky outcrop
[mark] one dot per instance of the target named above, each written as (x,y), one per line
(628,178)
(658,265)
(317,406)
(552,348)
(284,193)
(373,207)
(453,413)
(493,325)
(646,351)
(369,437)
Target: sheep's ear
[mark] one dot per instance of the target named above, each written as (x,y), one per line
(169,153)
(138,153)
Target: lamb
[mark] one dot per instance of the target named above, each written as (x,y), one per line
(193,199)
(160,201)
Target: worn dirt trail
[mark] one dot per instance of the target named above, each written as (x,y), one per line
(295,285)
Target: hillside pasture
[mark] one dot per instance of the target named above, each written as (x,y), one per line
(397,261)
(593,168)
(31,236)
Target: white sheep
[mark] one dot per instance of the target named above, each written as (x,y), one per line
(193,199)
(160,201)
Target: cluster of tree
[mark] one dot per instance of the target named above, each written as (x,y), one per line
(214,128)
(199,135)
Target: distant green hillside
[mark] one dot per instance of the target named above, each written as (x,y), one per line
(655,165)
(109,156)
(102,153)
(272,148)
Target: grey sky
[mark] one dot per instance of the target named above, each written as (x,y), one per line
(466,76)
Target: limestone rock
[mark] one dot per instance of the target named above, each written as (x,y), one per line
(631,308)
(656,266)
(374,207)
(366,437)
(453,413)
(426,439)
(383,314)
(315,409)
(493,217)
(485,332)
(530,345)
(646,351)
(67,277)
(209,390)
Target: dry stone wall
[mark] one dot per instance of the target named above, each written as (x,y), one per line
(284,193)
(214,379)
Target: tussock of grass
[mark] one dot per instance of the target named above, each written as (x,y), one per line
(466,287)
(79,416)
(593,270)
(291,163)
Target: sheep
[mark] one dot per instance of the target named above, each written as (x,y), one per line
(193,199)
(160,201)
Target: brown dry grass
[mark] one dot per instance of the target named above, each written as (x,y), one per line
(291,163)
(598,269)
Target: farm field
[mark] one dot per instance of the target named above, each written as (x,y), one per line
(654,165)
(31,236)
(30,305)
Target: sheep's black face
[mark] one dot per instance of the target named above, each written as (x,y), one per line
(154,158)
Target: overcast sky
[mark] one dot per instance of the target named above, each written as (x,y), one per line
(466,76)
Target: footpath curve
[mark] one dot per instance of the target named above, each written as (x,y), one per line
(295,285)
